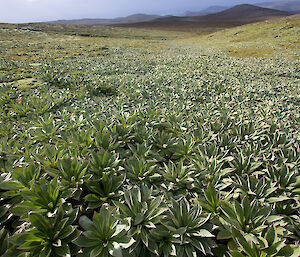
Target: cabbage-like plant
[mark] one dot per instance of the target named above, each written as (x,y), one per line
(104,191)
(209,167)
(3,153)
(48,236)
(179,178)
(7,249)
(45,129)
(3,240)
(210,201)
(164,238)
(141,171)
(284,178)
(80,140)
(142,151)
(104,162)
(254,187)
(12,185)
(49,156)
(268,244)
(105,235)
(190,228)
(71,173)
(184,149)
(104,140)
(244,164)
(145,212)
(248,217)
(44,197)
(164,142)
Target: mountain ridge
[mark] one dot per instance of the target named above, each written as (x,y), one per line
(235,16)
(247,11)
(292,6)
(99,21)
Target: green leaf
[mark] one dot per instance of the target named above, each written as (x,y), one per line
(139,219)
(237,254)
(224,234)
(63,250)
(85,242)
(277,199)
(190,251)
(98,251)
(123,208)
(46,252)
(203,233)
(275,247)
(289,251)
(67,231)
(86,223)
(271,235)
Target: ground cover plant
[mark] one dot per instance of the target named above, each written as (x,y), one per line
(119,142)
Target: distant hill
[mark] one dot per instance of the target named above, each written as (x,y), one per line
(128,19)
(209,10)
(235,16)
(292,6)
(248,12)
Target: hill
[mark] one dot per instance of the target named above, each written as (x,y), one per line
(247,11)
(292,6)
(102,22)
(235,16)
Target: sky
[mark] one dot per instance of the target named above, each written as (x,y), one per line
(17,11)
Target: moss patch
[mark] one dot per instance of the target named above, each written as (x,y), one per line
(28,83)
(250,51)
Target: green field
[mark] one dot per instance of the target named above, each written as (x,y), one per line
(139,142)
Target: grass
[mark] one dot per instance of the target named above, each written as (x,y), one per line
(269,38)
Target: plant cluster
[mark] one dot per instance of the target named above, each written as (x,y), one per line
(151,153)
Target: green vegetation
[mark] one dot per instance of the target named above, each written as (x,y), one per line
(269,38)
(127,142)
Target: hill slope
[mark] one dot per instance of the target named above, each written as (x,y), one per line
(267,38)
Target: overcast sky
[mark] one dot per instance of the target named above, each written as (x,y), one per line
(45,10)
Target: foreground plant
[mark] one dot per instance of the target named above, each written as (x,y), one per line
(105,235)
(104,191)
(248,217)
(268,244)
(190,228)
(48,236)
(144,212)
